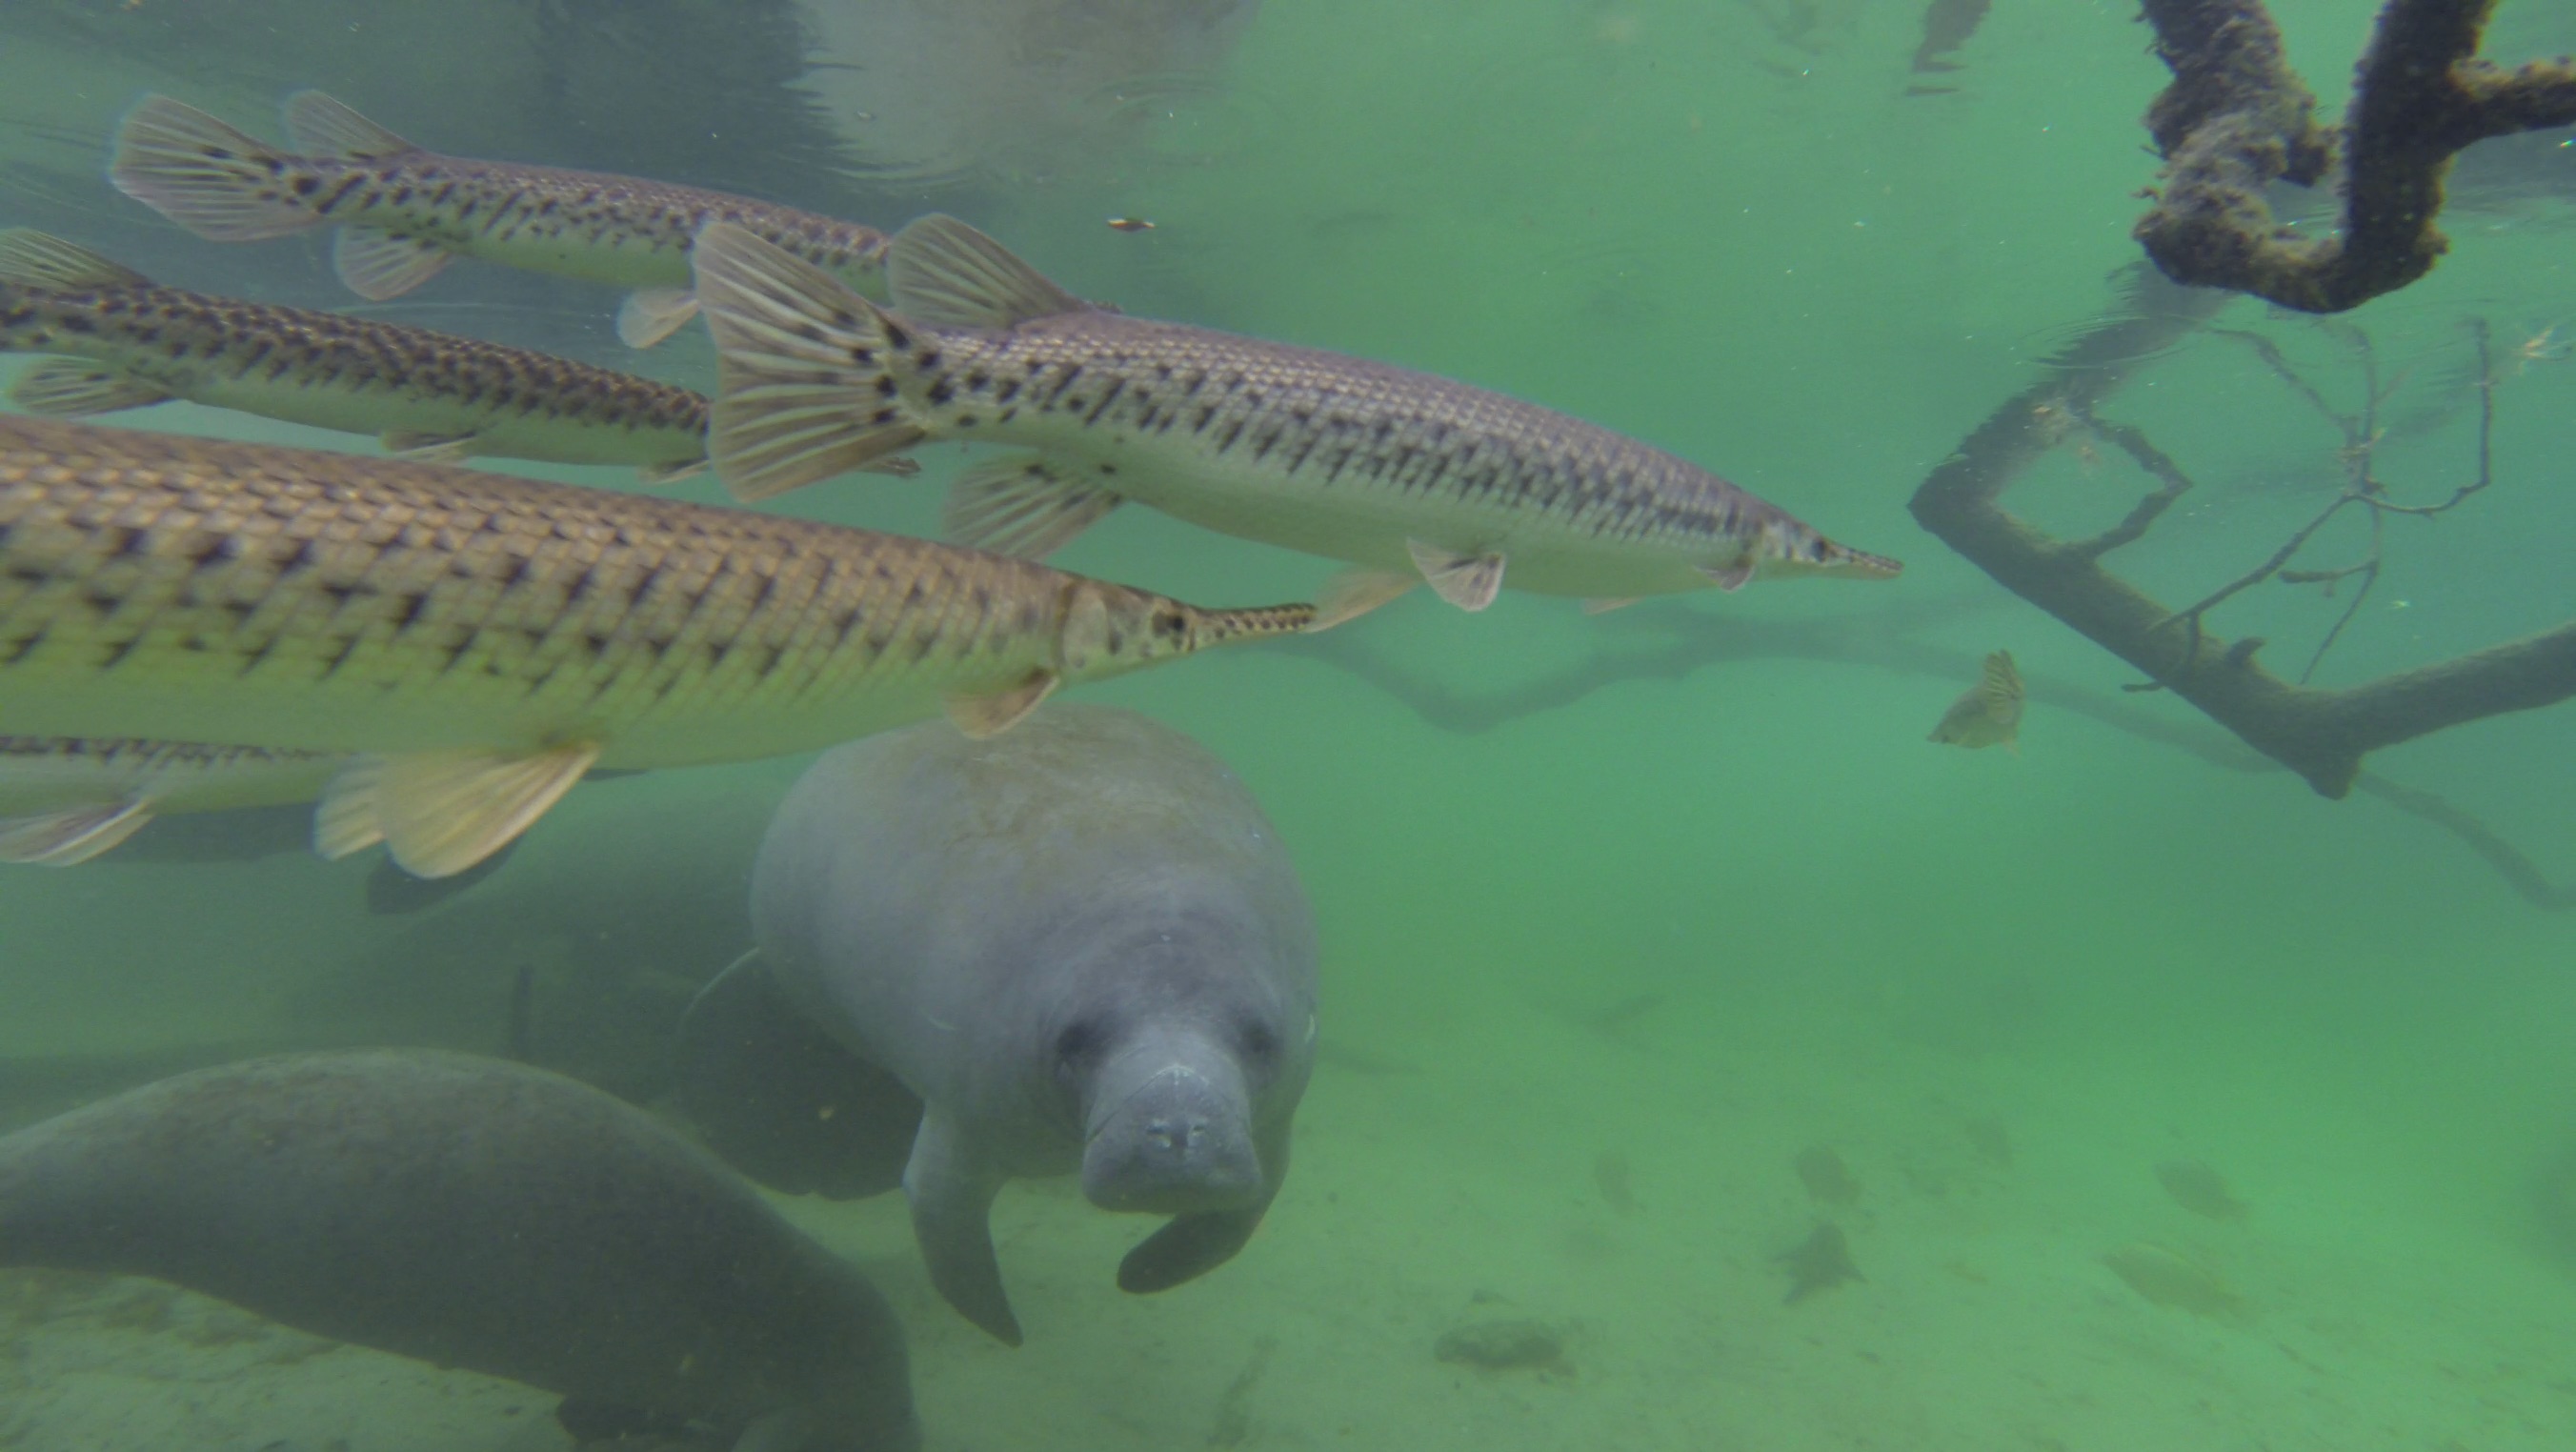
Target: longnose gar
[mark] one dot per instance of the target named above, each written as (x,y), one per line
(1407,475)
(404,212)
(120,341)
(485,640)
(65,800)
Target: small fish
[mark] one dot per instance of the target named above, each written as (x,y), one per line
(1828,1180)
(1130,224)
(1819,1263)
(480,642)
(65,800)
(117,340)
(404,213)
(1412,478)
(1947,25)
(2175,1278)
(2199,1189)
(1987,713)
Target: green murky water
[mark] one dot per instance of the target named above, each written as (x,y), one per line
(1620,914)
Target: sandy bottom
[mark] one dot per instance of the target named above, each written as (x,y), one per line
(1628,1190)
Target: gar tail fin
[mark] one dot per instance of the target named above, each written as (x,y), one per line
(220,183)
(807,381)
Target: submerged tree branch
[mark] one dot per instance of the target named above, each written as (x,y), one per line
(2322,735)
(2237,118)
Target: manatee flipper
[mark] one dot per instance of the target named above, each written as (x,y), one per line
(951,1191)
(1189,1246)
(780,1101)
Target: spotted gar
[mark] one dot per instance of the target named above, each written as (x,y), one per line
(65,800)
(1406,475)
(404,213)
(117,340)
(482,641)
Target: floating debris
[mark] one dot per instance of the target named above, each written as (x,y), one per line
(2175,1278)
(1828,1180)
(1130,224)
(2199,1189)
(1819,1263)
(1517,1345)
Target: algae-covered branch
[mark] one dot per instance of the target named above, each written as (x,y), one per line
(2237,118)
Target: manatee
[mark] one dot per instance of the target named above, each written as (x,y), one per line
(476,1213)
(1081,947)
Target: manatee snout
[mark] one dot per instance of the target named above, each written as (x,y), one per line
(1171,1134)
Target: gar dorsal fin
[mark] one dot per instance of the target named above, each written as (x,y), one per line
(942,272)
(29,258)
(322,126)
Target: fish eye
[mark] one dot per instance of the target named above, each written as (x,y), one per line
(1170,624)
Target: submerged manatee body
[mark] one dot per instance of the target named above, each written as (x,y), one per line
(476,1213)
(1081,944)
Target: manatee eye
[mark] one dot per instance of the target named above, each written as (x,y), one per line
(1076,1041)
(1258,1043)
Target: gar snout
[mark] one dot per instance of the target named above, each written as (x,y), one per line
(1170,1133)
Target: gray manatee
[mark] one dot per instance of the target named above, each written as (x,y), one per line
(477,1213)
(1082,946)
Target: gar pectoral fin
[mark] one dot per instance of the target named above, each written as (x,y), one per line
(1732,575)
(322,126)
(950,1192)
(440,812)
(71,835)
(1355,592)
(651,314)
(943,272)
(71,388)
(653,476)
(1022,504)
(377,265)
(994,712)
(428,448)
(29,258)
(1469,582)
(806,386)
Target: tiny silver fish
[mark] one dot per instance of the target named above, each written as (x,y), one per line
(65,800)
(1410,477)
(404,213)
(1987,713)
